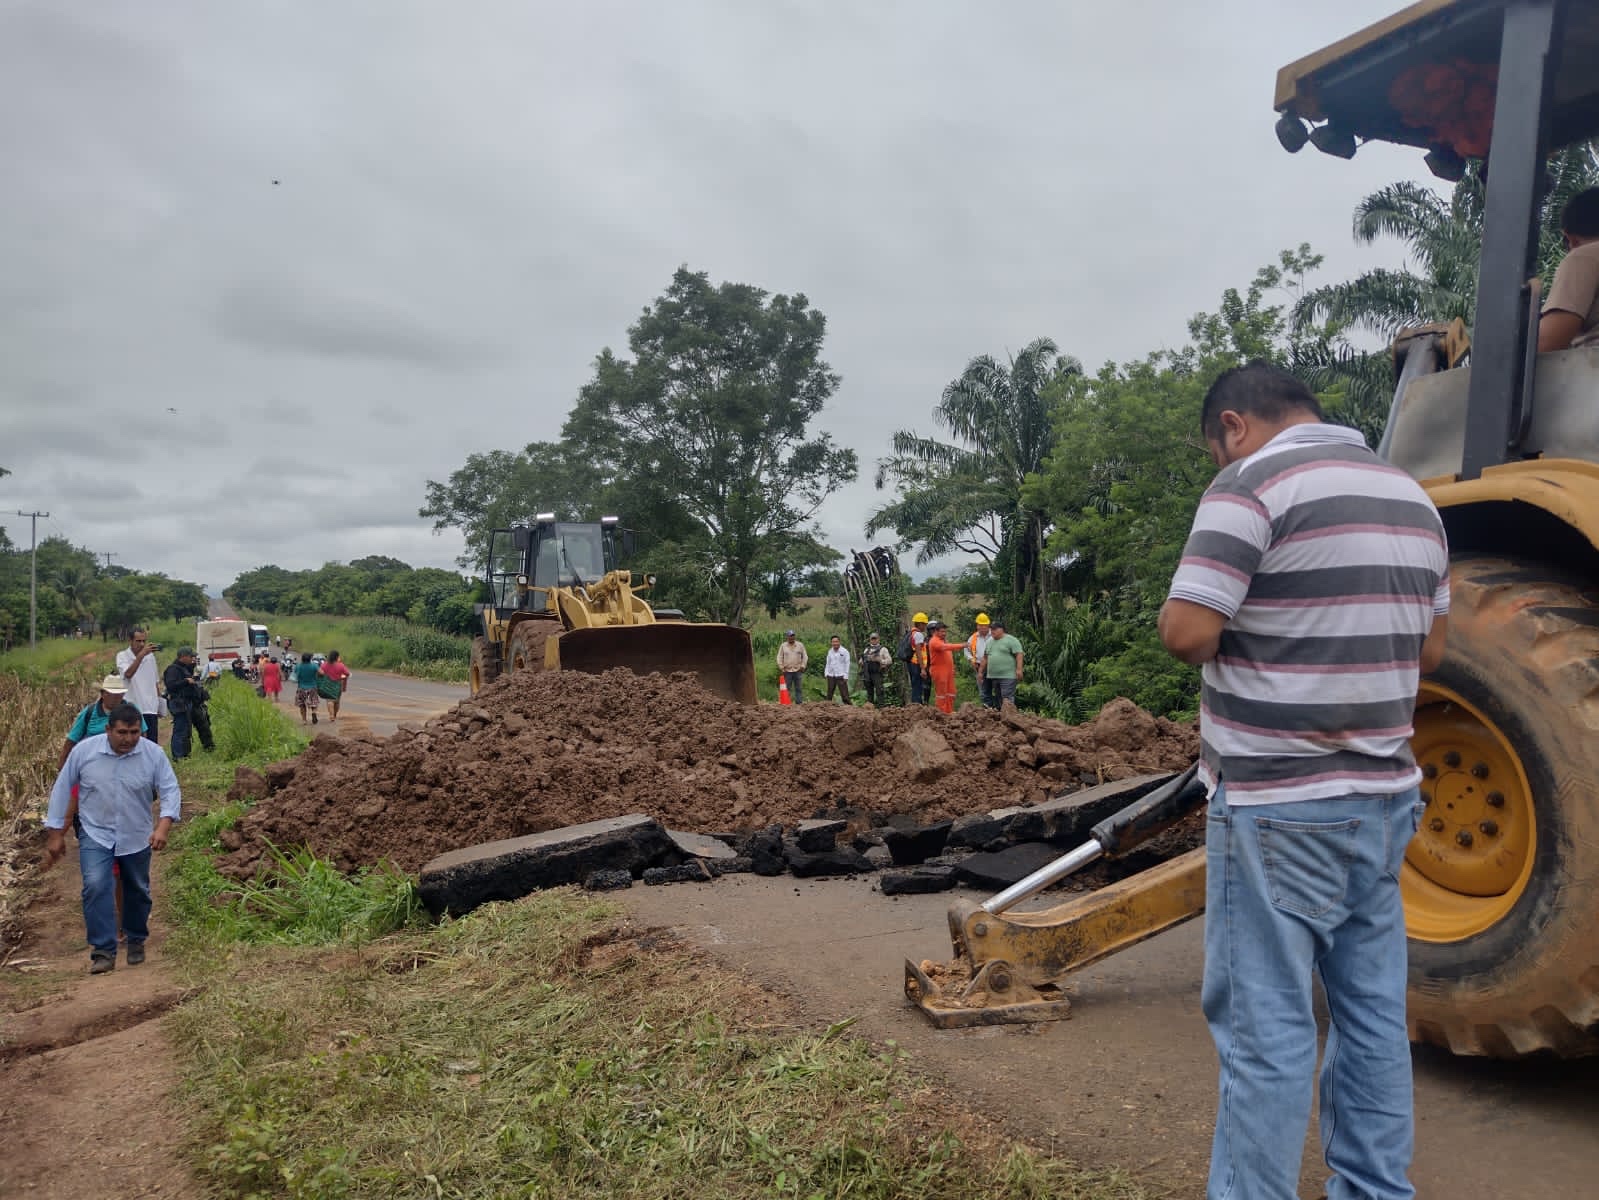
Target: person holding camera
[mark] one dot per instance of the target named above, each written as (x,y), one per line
(136,664)
(186,698)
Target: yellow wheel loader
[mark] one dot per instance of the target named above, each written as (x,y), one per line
(1501,885)
(558,602)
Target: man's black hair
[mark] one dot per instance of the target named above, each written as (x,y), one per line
(1256,389)
(125,714)
(1580,217)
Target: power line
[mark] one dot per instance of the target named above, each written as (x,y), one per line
(33,575)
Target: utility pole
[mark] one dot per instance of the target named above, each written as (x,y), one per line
(108,557)
(33,577)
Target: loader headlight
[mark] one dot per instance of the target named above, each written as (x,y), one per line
(522,581)
(649,581)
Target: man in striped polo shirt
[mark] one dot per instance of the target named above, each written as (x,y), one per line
(1314,589)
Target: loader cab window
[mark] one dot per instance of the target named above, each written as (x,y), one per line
(569,555)
(505,564)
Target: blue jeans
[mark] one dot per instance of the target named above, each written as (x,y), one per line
(1291,889)
(920,689)
(99,896)
(796,685)
(187,723)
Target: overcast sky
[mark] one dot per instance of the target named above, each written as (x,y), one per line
(265,268)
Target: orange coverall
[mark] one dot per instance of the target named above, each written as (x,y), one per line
(941,666)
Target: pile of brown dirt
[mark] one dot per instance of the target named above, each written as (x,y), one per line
(539,751)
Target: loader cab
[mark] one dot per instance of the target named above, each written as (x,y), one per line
(571,554)
(1505,83)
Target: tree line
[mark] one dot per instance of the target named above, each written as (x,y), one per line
(1071,489)
(79,593)
(375,586)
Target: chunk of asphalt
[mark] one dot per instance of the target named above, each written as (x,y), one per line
(819,836)
(1069,818)
(692,871)
(700,845)
(979,830)
(737,865)
(609,880)
(840,860)
(917,844)
(461,880)
(764,849)
(998,869)
(918,881)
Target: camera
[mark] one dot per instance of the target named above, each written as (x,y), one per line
(157,646)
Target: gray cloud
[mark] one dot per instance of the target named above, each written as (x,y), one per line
(466,211)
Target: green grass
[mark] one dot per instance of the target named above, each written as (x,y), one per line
(88,657)
(377,644)
(539,1049)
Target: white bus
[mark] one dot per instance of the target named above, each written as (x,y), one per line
(218,644)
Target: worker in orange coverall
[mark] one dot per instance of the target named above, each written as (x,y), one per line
(941,666)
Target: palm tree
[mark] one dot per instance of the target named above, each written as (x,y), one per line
(966,494)
(76,581)
(1444,241)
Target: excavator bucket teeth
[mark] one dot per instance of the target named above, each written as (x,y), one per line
(993,996)
(719,655)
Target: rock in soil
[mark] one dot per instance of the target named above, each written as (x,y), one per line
(461,880)
(537,751)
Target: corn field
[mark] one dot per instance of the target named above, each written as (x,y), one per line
(34,716)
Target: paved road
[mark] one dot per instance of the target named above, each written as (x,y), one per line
(1130,1079)
(378,702)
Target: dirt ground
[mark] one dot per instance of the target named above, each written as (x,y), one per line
(540,751)
(86,1072)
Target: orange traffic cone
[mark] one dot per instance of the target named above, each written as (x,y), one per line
(782,691)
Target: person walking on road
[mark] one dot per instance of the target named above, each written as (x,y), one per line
(792,659)
(335,670)
(1314,592)
(941,666)
(306,697)
(136,664)
(836,669)
(115,773)
(271,678)
(186,701)
(1001,668)
(875,662)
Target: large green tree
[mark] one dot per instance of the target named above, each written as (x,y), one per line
(966,493)
(712,414)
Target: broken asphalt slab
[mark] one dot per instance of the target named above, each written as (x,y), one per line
(461,880)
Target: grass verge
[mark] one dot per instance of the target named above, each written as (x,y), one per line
(544,1048)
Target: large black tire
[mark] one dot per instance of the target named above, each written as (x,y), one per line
(526,649)
(1522,671)
(485,668)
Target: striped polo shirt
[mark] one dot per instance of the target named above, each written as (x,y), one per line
(1329,565)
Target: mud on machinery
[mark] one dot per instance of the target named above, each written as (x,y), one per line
(1501,884)
(557,601)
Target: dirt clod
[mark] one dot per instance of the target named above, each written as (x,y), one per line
(534,752)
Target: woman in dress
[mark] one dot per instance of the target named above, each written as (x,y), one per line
(340,674)
(271,678)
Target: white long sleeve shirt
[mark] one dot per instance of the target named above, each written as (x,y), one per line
(837,666)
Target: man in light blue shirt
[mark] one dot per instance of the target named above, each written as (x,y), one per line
(116,773)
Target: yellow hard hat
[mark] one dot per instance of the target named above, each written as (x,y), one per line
(919,619)
(982,618)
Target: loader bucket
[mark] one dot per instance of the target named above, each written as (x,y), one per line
(720,655)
